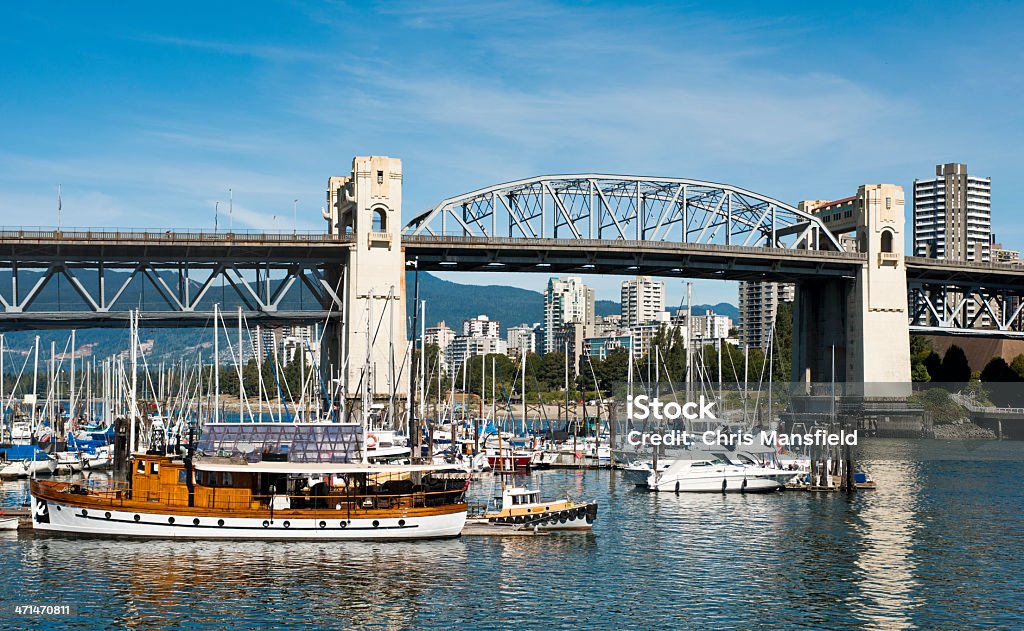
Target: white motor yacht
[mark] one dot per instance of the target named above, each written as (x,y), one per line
(707,473)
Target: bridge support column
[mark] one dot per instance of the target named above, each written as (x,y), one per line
(864,316)
(819,325)
(369,348)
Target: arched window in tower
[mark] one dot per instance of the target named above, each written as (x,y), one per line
(380,220)
(887,241)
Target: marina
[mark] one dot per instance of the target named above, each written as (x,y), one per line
(906,560)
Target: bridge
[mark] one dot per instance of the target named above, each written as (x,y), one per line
(857,292)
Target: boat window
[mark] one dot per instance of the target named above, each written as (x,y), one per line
(154,467)
(229,479)
(181,476)
(141,467)
(701,463)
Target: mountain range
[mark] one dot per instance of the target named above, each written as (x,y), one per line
(446,301)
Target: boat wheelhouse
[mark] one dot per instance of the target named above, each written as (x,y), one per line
(262,481)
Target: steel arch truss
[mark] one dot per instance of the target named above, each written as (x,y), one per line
(628,208)
(52,293)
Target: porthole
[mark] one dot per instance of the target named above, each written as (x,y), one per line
(58,507)
(287,524)
(195,522)
(323,524)
(170,520)
(266,524)
(85,513)
(138,517)
(376,524)
(107,514)
(220,522)
(401,522)
(344,524)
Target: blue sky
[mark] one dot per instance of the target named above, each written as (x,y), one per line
(147,117)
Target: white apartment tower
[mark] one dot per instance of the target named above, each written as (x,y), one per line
(643,300)
(566,300)
(953,220)
(758,303)
(520,337)
(953,215)
(481,326)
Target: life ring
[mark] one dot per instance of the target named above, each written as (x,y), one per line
(371,441)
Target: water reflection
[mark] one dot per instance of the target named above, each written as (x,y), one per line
(933,548)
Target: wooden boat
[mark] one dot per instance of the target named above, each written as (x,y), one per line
(520,507)
(271,489)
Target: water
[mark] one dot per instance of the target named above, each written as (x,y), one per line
(935,547)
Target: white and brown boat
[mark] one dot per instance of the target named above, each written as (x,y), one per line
(520,507)
(262,481)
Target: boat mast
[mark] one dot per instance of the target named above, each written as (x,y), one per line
(241,383)
(421,408)
(134,336)
(522,368)
(216,364)
(3,401)
(71,395)
(366,372)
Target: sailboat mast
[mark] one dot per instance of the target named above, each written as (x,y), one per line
(71,395)
(135,372)
(522,368)
(216,364)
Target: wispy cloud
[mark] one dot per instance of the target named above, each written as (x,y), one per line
(264,52)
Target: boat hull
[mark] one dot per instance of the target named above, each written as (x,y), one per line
(579,517)
(28,468)
(730,484)
(52,516)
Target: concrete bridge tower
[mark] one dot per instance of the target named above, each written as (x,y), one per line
(371,342)
(879,329)
(864,317)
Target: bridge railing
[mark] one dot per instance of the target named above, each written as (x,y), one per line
(460,239)
(127,234)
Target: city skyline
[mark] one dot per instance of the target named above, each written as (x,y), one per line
(155,114)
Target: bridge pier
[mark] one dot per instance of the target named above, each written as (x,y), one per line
(864,316)
(369,347)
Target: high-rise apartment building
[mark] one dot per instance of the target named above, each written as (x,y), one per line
(521,337)
(464,348)
(953,220)
(758,304)
(481,326)
(953,215)
(566,300)
(642,300)
(440,335)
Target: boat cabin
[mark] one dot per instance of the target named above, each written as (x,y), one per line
(238,485)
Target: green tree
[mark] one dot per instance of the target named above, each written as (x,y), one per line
(782,353)
(920,351)
(1018,365)
(955,368)
(933,364)
(999,371)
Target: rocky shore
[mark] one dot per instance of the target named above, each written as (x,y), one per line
(963,431)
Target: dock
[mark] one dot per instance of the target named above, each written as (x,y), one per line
(24,516)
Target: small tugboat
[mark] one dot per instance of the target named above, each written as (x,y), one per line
(262,481)
(520,507)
